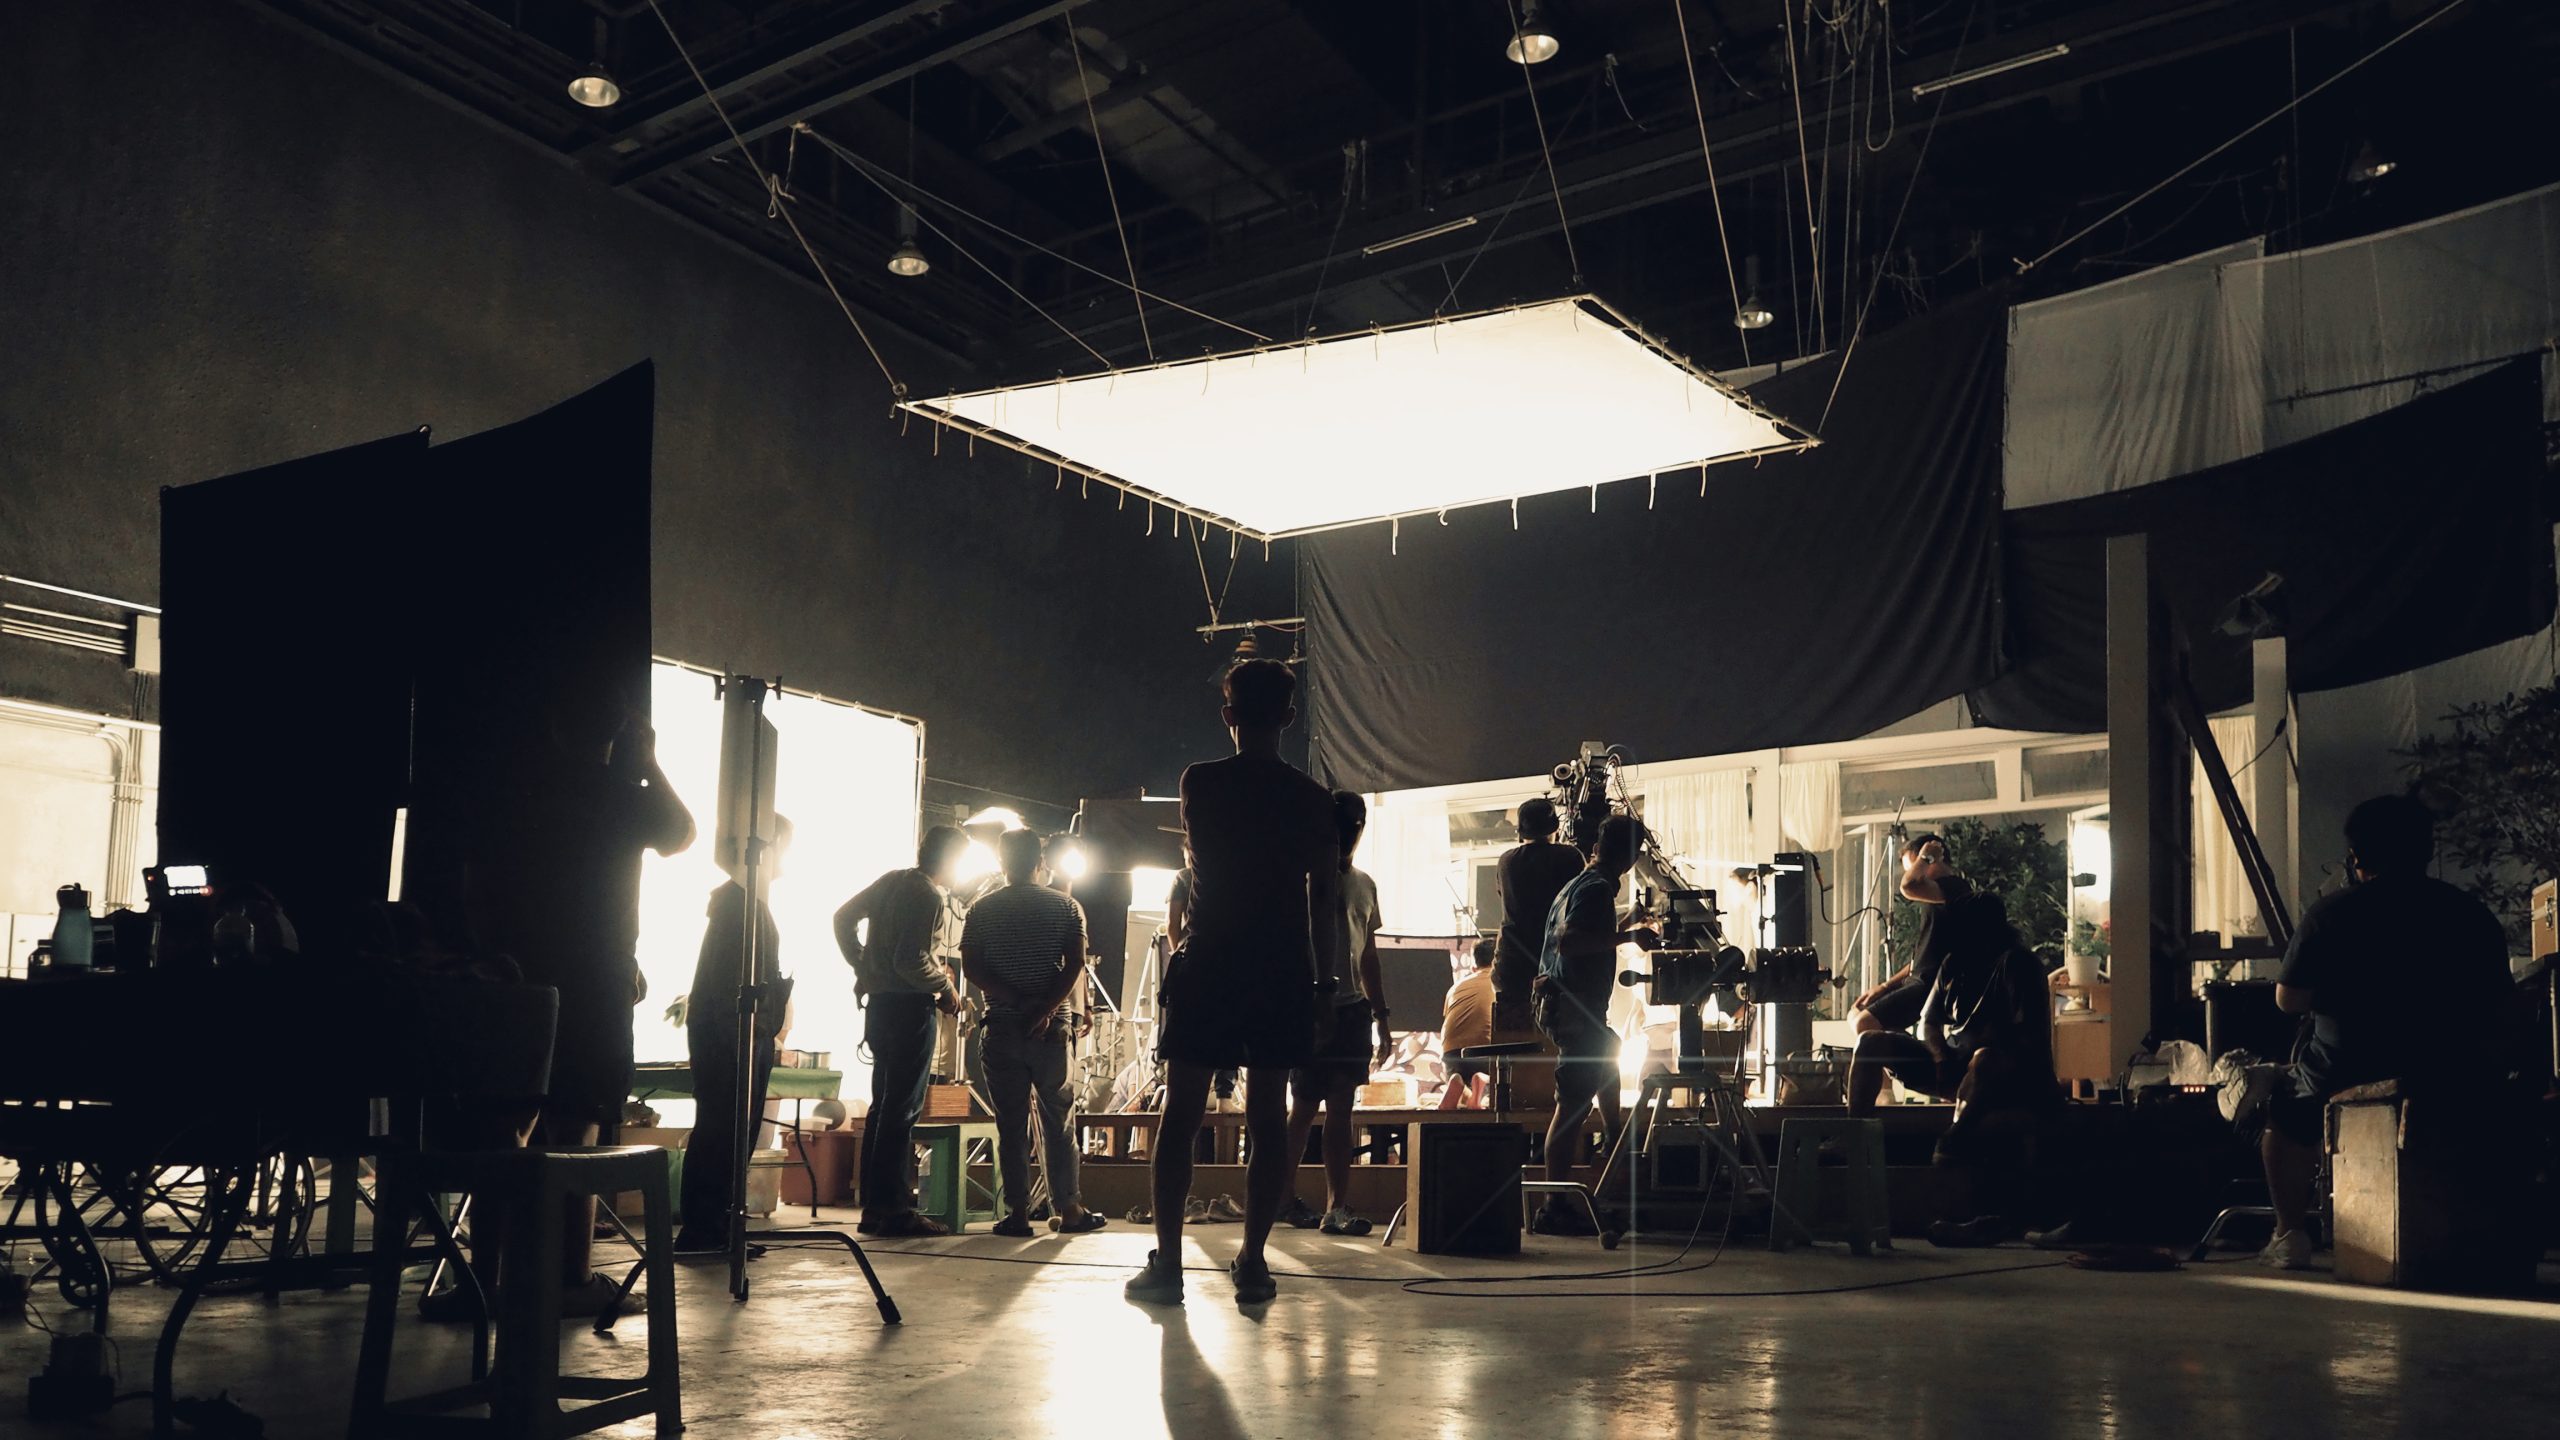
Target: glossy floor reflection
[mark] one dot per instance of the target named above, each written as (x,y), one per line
(992,1347)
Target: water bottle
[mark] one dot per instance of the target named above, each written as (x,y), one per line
(75,933)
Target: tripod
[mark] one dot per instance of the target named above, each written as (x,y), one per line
(747,762)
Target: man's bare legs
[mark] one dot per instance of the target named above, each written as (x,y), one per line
(1269,1168)
(1336,1100)
(1186,1102)
(2292,1168)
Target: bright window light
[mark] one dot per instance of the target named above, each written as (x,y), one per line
(846,778)
(2093,855)
(1526,401)
(1150,890)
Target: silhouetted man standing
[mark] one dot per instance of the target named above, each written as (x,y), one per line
(903,988)
(1265,934)
(1023,949)
(1532,874)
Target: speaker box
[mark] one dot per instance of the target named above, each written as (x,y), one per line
(1462,1186)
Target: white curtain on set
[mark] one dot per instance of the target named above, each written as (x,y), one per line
(2222,899)
(1809,804)
(1406,850)
(1704,821)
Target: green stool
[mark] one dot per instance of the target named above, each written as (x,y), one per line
(1856,1210)
(946,1174)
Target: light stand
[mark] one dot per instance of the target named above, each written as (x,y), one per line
(747,767)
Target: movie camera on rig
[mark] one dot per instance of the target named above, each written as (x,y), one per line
(1694,963)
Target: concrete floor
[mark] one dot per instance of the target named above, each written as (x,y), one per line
(995,1347)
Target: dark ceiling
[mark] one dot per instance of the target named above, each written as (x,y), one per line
(1256,148)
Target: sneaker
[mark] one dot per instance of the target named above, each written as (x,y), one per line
(1225,1211)
(1140,1215)
(2057,1238)
(1342,1222)
(1981,1232)
(1084,1224)
(1557,1219)
(2288,1251)
(1254,1285)
(1299,1215)
(1016,1226)
(1158,1284)
(1195,1211)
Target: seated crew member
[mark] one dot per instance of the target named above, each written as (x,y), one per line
(1577,973)
(1530,875)
(1356,1038)
(905,990)
(1954,921)
(1265,921)
(1023,949)
(711,1049)
(2404,977)
(1931,883)
(1466,1021)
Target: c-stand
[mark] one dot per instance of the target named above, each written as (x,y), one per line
(747,768)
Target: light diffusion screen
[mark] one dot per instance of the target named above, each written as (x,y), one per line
(847,782)
(1526,401)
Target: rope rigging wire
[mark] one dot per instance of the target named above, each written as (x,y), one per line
(1102,157)
(1698,104)
(916,192)
(897,387)
(1547,152)
(2253,128)
(1928,133)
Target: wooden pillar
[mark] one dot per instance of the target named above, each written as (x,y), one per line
(2132,719)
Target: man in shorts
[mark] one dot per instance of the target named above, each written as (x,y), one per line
(1356,1037)
(1265,931)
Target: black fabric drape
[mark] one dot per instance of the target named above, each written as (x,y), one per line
(284,689)
(395,625)
(1808,598)
(2406,538)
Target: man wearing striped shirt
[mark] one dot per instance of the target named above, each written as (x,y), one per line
(1024,948)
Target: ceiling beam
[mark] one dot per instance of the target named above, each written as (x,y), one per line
(969,30)
(1661,166)
(680,98)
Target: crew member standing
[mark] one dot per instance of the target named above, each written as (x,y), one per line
(1265,931)
(1356,1038)
(711,1048)
(891,934)
(1531,873)
(1024,951)
(1577,973)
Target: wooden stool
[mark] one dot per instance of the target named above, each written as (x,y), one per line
(524,1390)
(1800,1217)
(946,1171)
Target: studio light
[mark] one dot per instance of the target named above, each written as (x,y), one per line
(594,88)
(908,259)
(2369,165)
(1534,43)
(1751,314)
(1071,859)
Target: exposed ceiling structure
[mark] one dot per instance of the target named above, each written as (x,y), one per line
(1267,163)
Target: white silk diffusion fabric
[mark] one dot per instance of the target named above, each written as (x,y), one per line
(1525,401)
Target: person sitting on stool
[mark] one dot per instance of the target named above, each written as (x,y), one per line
(1931,883)
(2399,974)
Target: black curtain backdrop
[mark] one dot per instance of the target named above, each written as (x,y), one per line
(533,557)
(1809,598)
(394,625)
(2407,538)
(285,690)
